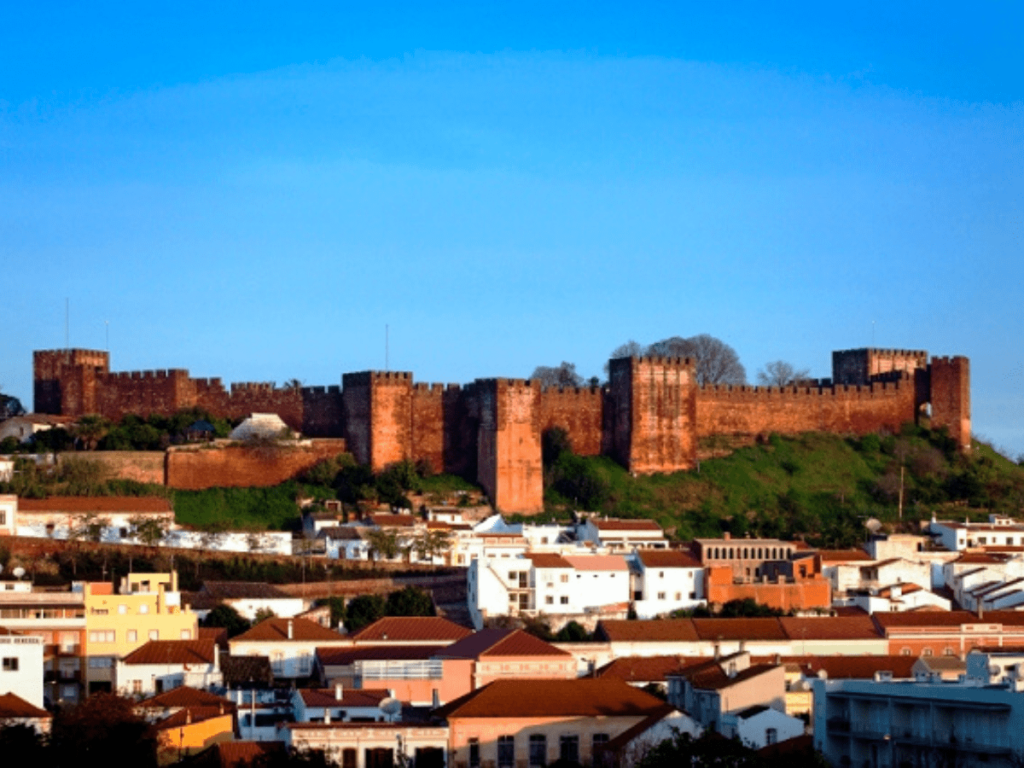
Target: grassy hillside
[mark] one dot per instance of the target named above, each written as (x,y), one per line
(818,486)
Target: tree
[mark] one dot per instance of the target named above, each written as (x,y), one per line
(148,530)
(226,617)
(337,605)
(90,429)
(553,443)
(21,745)
(716,362)
(563,375)
(383,543)
(430,544)
(747,607)
(103,730)
(629,349)
(262,615)
(410,601)
(362,611)
(781,374)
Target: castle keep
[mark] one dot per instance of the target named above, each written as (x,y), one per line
(650,417)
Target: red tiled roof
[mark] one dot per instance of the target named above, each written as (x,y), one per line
(394,521)
(626,525)
(842,555)
(645,669)
(96,504)
(411,629)
(710,677)
(184,696)
(830,628)
(888,621)
(334,657)
(276,630)
(739,629)
(188,715)
(547,560)
(173,652)
(13,706)
(586,697)
(325,697)
(655,631)
(500,642)
(666,558)
(597,562)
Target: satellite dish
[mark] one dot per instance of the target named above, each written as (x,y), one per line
(873,525)
(390,706)
(822,674)
(18,572)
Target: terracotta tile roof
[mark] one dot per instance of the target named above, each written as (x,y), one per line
(830,628)
(242,754)
(906,589)
(889,621)
(219,635)
(13,706)
(340,657)
(276,630)
(739,629)
(843,555)
(97,504)
(183,696)
(586,697)
(626,525)
(597,562)
(411,629)
(710,677)
(645,669)
(547,560)
(394,521)
(173,652)
(189,715)
(241,590)
(666,558)
(500,642)
(325,697)
(341,533)
(982,558)
(655,631)
(246,671)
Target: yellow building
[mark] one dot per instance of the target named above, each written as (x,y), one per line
(146,606)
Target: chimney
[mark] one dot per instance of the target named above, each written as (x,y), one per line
(727,536)
(216,657)
(338,691)
(188,716)
(435,698)
(327,715)
(291,630)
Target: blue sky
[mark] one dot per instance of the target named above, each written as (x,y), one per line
(254,192)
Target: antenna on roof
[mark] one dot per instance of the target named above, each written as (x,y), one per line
(387,345)
(67,324)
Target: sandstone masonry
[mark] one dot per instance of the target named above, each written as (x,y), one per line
(650,417)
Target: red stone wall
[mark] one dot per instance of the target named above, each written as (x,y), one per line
(951,397)
(427,439)
(579,412)
(508,450)
(861,366)
(655,412)
(840,409)
(804,594)
(390,418)
(240,466)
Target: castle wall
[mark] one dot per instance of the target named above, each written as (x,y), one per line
(378,416)
(579,411)
(56,371)
(843,409)
(427,438)
(951,397)
(193,469)
(862,366)
(321,411)
(655,413)
(461,413)
(508,447)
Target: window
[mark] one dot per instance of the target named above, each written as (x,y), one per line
(186,634)
(143,608)
(10,664)
(904,651)
(564,600)
(474,753)
(154,634)
(3,517)
(549,600)
(99,662)
(122,609)
(926,651)
(949,652)
(661,595)
(679,595)
(600,739)
(136,687)
(661,574)
(101,636)
(569,749)
(506,751)
(538,749)
(564,578)
(771,736)
(133,636)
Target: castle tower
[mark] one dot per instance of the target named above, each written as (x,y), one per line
(64,380)
(951,398)
(862,366)
(654,412)
(378,416)
(508,445)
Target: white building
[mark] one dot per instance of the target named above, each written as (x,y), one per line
(621,535)
(248,598)
(290,644)
(8,515)
(999,531)
(897,597)
(344,705)
(665,581)
(882,722)
(371,745)
(21,666)
(761,725)
(162,665)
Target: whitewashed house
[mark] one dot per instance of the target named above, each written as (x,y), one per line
(21,665)
(664,581)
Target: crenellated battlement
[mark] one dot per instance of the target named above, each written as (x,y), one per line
(263,387)
(885,385)
(421,388)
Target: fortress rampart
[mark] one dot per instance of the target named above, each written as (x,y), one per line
(650,417)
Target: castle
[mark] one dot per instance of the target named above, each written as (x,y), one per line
(649,417)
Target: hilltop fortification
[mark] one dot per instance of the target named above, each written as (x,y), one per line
(650,417)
